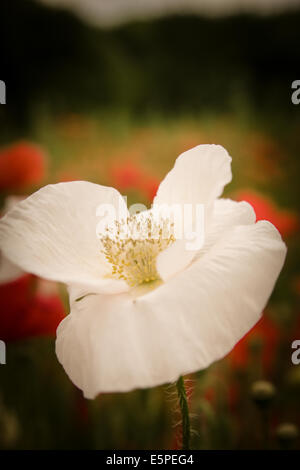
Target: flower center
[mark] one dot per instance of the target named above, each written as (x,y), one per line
(131,247)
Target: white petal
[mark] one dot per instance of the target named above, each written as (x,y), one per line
(8,271)
(53,232)
(226,215)
(104,286)
(174,259)
(11,201)
(114,343)
(198,177)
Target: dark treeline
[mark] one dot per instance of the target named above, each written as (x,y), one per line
(176,64)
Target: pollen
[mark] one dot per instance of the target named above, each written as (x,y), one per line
(131,247)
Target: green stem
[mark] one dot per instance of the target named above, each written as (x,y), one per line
(184,408)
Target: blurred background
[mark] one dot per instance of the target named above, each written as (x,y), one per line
(112,92)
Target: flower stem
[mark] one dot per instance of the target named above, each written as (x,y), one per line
(184,408)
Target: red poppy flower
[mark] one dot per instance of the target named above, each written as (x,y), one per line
(265,155)
(284,220)
(21,165)
(130,177)
(126,176)
(24,313)
(150,187)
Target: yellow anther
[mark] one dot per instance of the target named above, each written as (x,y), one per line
(133,250)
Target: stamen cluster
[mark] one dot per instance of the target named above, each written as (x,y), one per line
(131,246)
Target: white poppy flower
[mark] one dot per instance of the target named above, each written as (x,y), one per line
(189,309)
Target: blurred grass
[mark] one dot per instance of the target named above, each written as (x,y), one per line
(87,146)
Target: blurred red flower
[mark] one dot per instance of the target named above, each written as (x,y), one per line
(129,176)
(286,221)
(266,155)
(25,313)
(126,176)
(21,165)
(266,334)
(150,187)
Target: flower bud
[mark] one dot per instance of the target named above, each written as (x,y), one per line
(262,392)
(287,433)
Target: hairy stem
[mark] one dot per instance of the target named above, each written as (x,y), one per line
(184,408)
